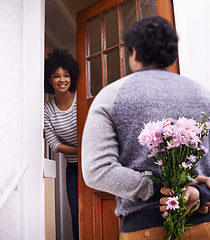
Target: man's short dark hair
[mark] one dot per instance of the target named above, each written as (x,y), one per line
(154,40)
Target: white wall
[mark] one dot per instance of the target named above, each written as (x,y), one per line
(10,118)
(192,23)
(21,118)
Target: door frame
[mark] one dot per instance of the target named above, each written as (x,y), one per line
(32,118)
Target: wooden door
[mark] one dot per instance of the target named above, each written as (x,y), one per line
(102,57)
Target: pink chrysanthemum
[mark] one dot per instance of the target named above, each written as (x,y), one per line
(176,133)
(183,132)
(159,162)
(172,203)
(153,153)
(188,124)
(151,136)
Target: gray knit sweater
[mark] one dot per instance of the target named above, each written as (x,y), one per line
(112,158)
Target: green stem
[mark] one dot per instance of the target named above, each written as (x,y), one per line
(182,155)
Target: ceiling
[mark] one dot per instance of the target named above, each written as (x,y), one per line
(60,22)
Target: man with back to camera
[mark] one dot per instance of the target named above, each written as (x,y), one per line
(116,162)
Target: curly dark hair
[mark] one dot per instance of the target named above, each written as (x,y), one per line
(60,58)
(154,40)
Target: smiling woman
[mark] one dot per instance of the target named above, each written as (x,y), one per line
(60,119)
(60,80)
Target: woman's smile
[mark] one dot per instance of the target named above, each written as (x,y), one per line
(62,85)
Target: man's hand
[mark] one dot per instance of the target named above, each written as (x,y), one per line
(202,179)
(191,194)
(205,209)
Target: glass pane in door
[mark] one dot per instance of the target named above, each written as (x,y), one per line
(113,66)
(109,61)
(95,70)
(149,8)
(111,28)
(128,16)
(93,35)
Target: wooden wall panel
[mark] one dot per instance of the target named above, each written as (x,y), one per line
(105,222)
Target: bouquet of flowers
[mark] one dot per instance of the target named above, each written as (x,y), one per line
(176,147)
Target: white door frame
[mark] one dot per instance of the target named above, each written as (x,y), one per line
(32,118)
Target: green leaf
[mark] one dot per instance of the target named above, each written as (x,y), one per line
(190,179)
(181,178)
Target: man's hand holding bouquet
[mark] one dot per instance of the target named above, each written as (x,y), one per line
(176,148)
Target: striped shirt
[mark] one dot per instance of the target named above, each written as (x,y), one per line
(61,126)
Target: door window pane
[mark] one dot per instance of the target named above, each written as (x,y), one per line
(94,35)
(111,28)
(149,8)
(113,66)
(128,17)
(106,28)
(95,77)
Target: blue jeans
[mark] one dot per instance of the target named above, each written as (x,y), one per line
(72,193)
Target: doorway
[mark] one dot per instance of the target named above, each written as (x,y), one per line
(99,28)
(60,31)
